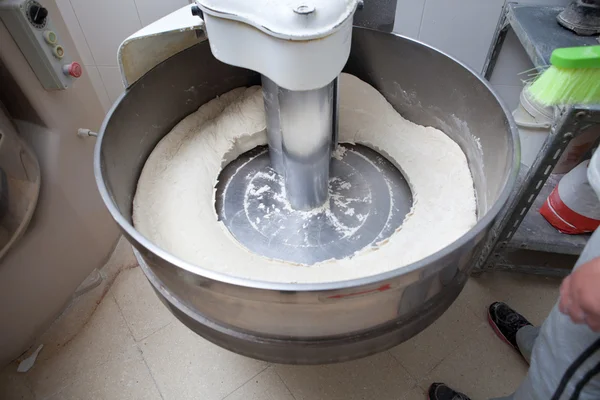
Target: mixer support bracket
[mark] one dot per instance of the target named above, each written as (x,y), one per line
(521,240)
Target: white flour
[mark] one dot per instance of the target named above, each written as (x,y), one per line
(174,202)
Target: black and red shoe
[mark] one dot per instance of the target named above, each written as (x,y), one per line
(439,391)
(506,322)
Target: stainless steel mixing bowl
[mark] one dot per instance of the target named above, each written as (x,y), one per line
(314,323)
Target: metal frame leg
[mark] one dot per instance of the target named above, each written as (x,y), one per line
(496,46)
(570,122)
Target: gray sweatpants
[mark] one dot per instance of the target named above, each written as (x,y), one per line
(551,349)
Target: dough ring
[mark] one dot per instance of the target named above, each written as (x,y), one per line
(174,202)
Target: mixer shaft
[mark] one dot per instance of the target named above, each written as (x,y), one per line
(301,130)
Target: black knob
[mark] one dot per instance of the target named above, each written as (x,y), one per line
(38,14)
(197,12)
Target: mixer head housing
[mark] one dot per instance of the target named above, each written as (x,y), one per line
(297,44)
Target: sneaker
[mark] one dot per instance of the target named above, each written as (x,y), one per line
(506,322)
(439,391)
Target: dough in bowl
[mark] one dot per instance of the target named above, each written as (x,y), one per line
(174,203)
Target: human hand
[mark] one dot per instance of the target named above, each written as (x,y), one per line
(580,295)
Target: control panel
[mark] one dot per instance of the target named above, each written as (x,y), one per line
(30,25)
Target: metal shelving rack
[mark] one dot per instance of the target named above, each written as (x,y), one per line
(522,240)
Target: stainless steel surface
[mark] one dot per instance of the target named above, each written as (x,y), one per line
(271,94)
(271,99)
(300,131)
(19,184)
(522,240)
(306,122)
(334,321)
(368,200)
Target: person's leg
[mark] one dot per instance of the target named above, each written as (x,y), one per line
(513,328)
(559,343)
(525,338)
(556,345)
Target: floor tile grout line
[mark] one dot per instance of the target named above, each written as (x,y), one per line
(403,366)
(454,351)
(424,384)
(479,323)
(418,380)
(99,365)
(284,384)
(253,376)
(29,385)
(425,388)
(56,393)
(127,321)
(476,313)
(30,389)
(418,387)
(152,333)
(112,294)
(137,343)
(414,380)
(150,372)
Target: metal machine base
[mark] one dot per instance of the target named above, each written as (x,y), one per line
(368,200)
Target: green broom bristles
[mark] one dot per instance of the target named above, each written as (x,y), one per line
(573,78)
(567,86)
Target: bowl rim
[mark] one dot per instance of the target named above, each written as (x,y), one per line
(480,225)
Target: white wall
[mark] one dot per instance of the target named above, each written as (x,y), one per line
(462,28)
(99,26)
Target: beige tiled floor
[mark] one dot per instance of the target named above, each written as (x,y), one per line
(132,348)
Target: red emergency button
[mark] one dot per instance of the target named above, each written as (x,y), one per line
(74,69)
